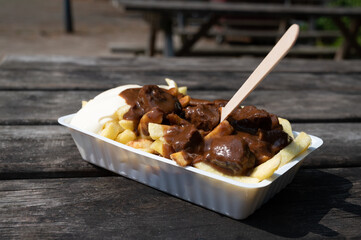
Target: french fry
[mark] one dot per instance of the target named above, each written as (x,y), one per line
(161,147)
(126,136)
(111,129)
(171,83)
(206,167)
(174,119)
(266,169)
(184,101)
(157,130)
(286,125)
(153,116)
(148,150)
(142,144)
(182,90)
(157,146)
(127,124)
(223,129)
(181,158)
(83,103)
(122,110)
(297,146)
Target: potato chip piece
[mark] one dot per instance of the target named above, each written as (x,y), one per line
(266,169)
(244,179)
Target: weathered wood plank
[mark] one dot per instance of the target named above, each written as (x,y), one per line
(57,63)
(115,207)
(41,151)
(39,107)
(36,107)
(100,79)
(50,151)
(341,147)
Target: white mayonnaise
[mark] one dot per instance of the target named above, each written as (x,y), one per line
(99,110)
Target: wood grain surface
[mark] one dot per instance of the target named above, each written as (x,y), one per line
(117,207)
(48,192)
(195,80)
(45,107)
(46,63)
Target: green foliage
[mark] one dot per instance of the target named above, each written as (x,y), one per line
(345,3)
(324,23)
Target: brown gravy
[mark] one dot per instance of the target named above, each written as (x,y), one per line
(256,135)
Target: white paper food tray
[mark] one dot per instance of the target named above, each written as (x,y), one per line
(235,199)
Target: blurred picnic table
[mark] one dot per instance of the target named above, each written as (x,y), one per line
(48,192)
(161,15)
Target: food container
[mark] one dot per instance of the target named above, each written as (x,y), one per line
(226,196)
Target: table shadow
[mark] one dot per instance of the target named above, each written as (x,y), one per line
(299,208)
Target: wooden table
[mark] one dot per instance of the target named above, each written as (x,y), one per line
(47,191)
(214,10)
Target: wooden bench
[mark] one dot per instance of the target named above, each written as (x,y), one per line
(231,51)
(235,34)
(164,11)
(68,16)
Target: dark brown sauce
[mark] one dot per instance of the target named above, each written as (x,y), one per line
(261,149)
(147,98)
(203,116)
(130,95)
(153,116)
(252,137)
(230,154)
(185,137)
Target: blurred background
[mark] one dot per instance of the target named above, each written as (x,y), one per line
(37,27)
(104,28)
